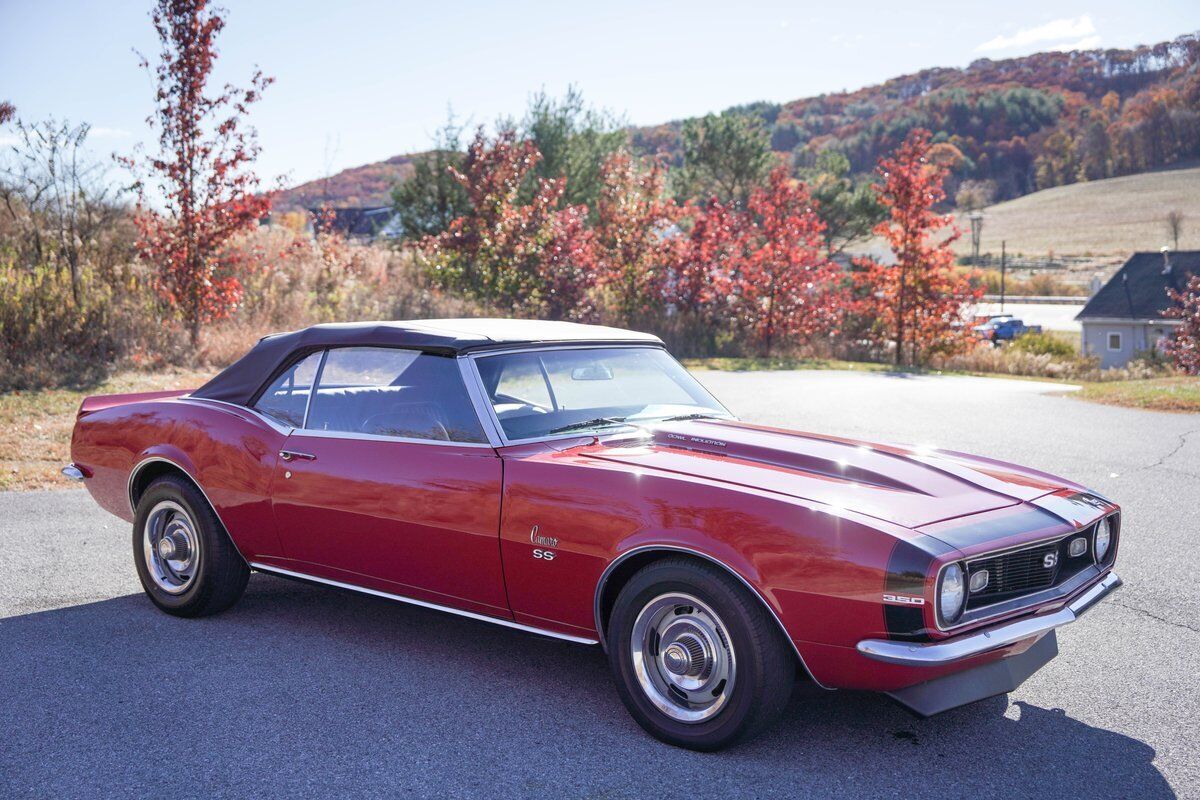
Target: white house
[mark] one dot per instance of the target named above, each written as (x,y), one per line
(1125,317)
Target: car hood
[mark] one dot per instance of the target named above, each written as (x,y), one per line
(908,486)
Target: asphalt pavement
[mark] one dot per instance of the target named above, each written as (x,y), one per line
(301,691)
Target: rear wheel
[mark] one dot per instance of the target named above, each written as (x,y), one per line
(186,563)
(698,661)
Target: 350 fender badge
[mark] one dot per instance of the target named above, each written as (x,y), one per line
(904,599)
(545,541)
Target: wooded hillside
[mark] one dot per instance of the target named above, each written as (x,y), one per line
(1015,126)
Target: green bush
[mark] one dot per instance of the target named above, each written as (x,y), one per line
(1044,344)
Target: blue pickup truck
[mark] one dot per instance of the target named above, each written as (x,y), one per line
(1004,329)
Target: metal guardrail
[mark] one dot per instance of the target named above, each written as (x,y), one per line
(1056,300)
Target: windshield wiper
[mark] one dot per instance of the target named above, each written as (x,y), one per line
(589,423)
(684,417)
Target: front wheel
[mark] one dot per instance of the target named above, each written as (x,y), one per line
(185,560)
(698,661)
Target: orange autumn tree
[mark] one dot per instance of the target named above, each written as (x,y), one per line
(786,289)
(203,181)
(916,304)
(636,246)
(1183,346)
(525,258)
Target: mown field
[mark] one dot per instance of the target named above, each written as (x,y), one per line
(1110,217)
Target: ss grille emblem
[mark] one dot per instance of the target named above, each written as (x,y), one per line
(1050,560)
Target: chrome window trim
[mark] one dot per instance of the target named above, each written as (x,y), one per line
(312,433)
(490,411)
(1024,602)
(312,388)
(424,604)
(612,565)
(305,431)
(133,473)
(475,391)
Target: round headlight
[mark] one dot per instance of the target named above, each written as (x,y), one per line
(1103,539)
(952,593)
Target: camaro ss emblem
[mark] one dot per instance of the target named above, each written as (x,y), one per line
(545,541)
(1050,560)
(904,599)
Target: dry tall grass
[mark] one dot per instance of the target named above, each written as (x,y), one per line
(291,281)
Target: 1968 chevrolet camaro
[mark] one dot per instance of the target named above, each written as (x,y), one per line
(575,481)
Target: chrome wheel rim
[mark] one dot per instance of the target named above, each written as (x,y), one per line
(683,658)
(171,547)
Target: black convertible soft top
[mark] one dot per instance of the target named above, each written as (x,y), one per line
(239,382)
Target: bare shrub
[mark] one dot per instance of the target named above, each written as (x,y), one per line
(1017,361)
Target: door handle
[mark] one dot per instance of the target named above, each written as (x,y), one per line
(291,455)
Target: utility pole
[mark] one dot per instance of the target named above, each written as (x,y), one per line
(1003,269)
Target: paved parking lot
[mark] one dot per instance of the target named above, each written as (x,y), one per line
(300,690)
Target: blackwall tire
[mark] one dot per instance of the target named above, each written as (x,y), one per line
(184,558)
(698,661)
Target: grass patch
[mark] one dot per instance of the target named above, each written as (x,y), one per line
(35,425)
(732,364)
(1159,394)
(738,364)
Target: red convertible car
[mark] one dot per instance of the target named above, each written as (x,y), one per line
(575,481)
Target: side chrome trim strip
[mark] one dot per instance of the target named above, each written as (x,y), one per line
(678,549)
(949,651)
(133,506)
(287,573)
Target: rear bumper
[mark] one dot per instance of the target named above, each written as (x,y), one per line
(936,654)
(72,473)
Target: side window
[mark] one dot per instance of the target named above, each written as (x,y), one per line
(389,392)
(287,396)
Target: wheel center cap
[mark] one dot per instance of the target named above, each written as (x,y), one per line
(677,659)
(166,548)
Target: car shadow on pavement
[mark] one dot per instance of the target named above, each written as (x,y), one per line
(305,691)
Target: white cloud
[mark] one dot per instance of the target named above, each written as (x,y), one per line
(1086,43)
(8,141)
(1071,33)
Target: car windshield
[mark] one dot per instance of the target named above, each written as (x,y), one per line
(550,392)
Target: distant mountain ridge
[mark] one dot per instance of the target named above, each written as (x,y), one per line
(1020,124)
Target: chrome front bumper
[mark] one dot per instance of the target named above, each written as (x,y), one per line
(972,644)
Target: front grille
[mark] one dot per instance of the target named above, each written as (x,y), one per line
(1017,572)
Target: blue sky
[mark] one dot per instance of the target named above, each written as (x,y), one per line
(358,82)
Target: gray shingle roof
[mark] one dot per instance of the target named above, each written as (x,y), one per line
(1139,289)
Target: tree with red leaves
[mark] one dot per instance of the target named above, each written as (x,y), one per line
(634,236)
(703,276)
(1184,344)
(523,258)
(7,112)
(202,175)
(785,288)
(917,302)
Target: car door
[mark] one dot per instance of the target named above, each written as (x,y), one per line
(390,482)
